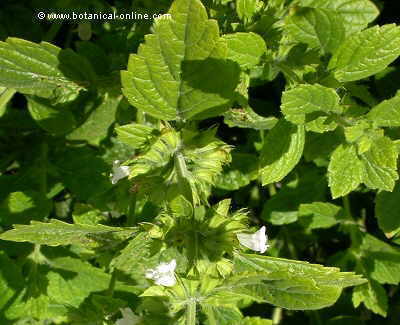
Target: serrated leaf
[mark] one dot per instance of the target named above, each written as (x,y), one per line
(5,95)
(318,28)
(373,296)
(380,164)
(387,210)
(320,215)
(245,49)
(42,68)
(54,121)
(288,283)
(169,76)
(136,135)
(345,170)
(366,53)
(386,113)
(356,14)
(247,118)
(283,148)
(306,103)
(57,233)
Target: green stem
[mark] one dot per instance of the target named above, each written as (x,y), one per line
(276,315)
(291,246)
(52,32)
(191,312)
(182,172)
(43,164)
(271,189)
(131,217)
(347,208)
(111,286)
(353,227)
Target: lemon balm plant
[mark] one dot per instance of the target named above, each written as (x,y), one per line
(216,166)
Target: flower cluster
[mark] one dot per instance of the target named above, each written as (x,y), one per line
(164,273)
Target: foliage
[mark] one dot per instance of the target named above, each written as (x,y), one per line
(143,160)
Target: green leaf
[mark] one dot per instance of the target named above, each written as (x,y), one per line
(181,163)
(72,291)
(380,260)
(247,118)
(366,53)
(134,258)
(373,296)
(55,121)
(283,148)
(32,300)
(169,76)
(386,113)
(356,14)
(43,68)
(83,172)
(306,103)
(387,210)
(288,283)
(96,309)
(242,170)
(320,215)
(136,135)
(96,126)
(57,233)
(246,9)
(246,49)
(85,214)
(222,315)
(318,28)
(255,321)
(11,280)
(283,207)
(5,95)
(345,170)
(20,207)
(380,164)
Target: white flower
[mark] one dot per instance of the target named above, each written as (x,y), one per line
(163,274)
(118,172)
(256,242)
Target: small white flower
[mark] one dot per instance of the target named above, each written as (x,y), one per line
(118,172)
(256,242)
(163,274)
